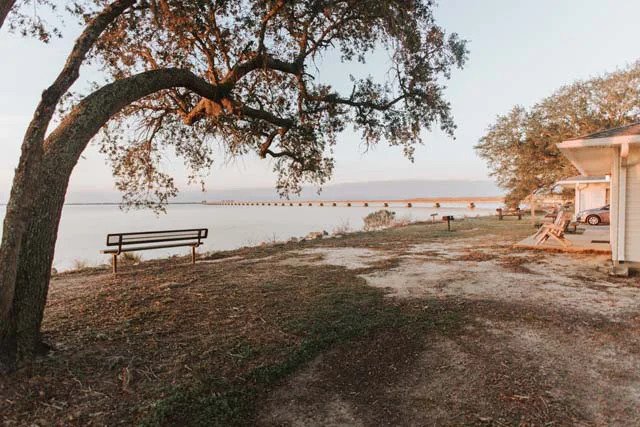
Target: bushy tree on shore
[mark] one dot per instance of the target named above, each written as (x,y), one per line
(186,74)
(520,146)
(379,219)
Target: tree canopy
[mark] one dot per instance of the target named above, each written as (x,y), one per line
(520,146)
(263,55)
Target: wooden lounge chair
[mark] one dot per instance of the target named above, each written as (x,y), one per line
(555,230)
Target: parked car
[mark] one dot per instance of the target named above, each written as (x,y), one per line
(594,216)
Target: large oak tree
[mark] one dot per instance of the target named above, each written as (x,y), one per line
(189,73)
(520,146)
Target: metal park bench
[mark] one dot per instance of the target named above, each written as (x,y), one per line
(144,240)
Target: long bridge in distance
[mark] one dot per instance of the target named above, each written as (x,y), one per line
(433,201)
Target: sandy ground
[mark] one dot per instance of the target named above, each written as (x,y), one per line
(553,333)
(488,271)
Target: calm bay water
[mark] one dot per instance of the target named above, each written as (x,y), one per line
(83,229)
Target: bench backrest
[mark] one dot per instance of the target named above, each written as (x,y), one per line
(194,235)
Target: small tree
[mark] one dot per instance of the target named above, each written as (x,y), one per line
(185,74)
(379,219)
(520,146)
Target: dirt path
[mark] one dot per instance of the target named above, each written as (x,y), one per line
(551,338)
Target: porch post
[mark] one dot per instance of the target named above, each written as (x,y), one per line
(618,207)
(576,203)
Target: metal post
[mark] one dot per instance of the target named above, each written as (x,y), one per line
(114,263)
(193,254)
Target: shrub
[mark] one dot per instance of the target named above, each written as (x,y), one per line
(379,219)
(80,264)
(342,228)
(131,258)
(402,221)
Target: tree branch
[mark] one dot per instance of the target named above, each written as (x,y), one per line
(265,21)
(93,112)
(26,174)
(5,8)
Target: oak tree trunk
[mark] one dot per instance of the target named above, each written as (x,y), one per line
(35,263)
(21,339)
(5,8)
(43,196)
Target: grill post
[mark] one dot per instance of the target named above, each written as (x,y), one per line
(114,263)
(448,219)
(193,255)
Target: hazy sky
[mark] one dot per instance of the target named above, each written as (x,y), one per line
(521,51)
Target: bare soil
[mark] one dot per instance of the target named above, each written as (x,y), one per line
(406,326)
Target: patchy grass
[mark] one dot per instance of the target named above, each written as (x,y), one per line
(131,258)
(515,264)
(476,256)
(354,313)
(243,334)
(80,264)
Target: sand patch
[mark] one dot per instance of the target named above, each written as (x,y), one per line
(219,260)
(556,280)
(351,258)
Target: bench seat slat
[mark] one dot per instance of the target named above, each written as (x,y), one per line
(145,237)
(133,237)
(142,248)
(152,240)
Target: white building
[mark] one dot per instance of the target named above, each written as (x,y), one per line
(591,191)
(615,152)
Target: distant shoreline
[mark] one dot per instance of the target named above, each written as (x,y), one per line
(478,199)
(115,203)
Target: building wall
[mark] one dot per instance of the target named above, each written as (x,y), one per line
(615,215)
(632,208)
(591,196)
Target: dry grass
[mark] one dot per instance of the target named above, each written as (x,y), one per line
(343,228)
(131,258)
(516,264)
(245,338)
(80,264)
(476,256)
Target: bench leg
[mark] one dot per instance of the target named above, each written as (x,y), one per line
(193,255)
(114,263)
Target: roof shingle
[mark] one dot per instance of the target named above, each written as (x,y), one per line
(632,129)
